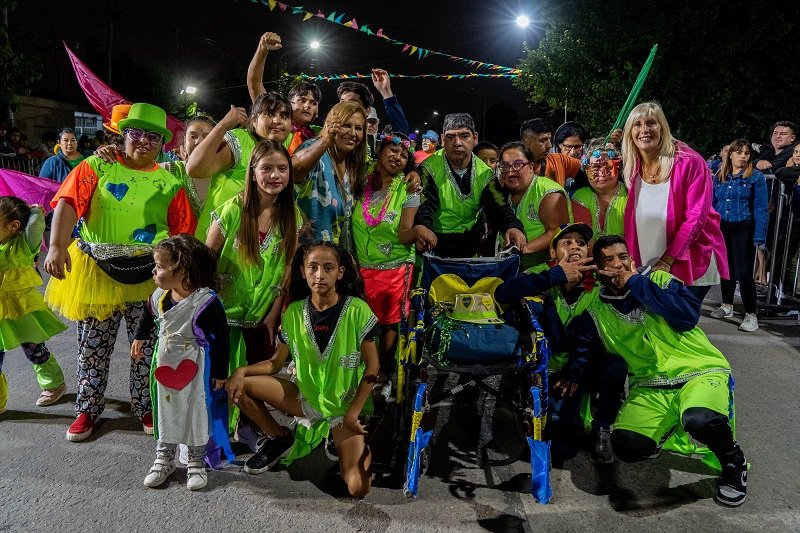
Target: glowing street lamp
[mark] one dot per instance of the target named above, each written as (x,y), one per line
(523,21)
(313,44)
(189,90)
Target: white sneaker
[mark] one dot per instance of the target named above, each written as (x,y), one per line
(159,472)
(723,311)
(750,323)
(196,476)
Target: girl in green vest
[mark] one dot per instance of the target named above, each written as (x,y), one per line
(329,332)
(255,235)
(601,205)
(384,236)
(223,156)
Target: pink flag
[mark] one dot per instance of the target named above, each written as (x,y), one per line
(30,188)
(103,98)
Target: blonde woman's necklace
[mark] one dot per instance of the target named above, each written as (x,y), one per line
(651,176)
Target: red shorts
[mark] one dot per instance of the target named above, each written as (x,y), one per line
(387,292)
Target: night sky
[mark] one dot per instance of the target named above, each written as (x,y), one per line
(209,44)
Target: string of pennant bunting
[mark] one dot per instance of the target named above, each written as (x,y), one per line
(341,20)
(357,75)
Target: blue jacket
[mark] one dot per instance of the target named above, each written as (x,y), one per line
(395,115)
(740,199)
(55,168)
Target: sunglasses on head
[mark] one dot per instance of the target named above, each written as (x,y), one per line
(396,139)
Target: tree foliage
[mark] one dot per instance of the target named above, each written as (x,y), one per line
(724,69)
(17,71)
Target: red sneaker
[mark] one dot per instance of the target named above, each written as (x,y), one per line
(147,423)
(81,428)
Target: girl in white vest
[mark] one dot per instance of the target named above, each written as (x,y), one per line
(191,355)
(330,332)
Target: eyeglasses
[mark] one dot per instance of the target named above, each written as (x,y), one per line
(571,147)
(405,143)
(516,166)
(137,135)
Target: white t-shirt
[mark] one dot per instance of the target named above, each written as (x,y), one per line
(651,220)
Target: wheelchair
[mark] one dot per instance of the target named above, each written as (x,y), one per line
(431,341)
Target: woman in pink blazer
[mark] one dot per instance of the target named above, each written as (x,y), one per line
(669,221)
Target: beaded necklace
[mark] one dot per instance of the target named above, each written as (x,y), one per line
(373,221)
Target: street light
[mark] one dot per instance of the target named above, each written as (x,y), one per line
(313,44)
(436,113)
(189,90)
(523,21)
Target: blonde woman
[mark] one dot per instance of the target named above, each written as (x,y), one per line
(670,223)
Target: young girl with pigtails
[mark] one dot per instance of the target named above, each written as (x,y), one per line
(329,331)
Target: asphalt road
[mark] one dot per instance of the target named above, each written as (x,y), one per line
(49,484)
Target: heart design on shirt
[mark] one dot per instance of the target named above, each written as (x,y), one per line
(146,234)
(176,378)
(117,190)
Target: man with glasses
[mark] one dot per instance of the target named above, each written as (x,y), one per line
(458,187)
(538,202)
(537,136)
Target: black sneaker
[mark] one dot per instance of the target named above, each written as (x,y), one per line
(732,485)
(270,451)
(601,447)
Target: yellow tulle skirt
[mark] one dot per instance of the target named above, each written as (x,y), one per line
(87,291)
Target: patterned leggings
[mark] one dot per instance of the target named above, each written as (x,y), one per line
(38,354)
(96,340)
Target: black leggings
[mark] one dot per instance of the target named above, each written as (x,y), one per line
(741,256)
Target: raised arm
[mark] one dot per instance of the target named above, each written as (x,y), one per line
(303,161)
(255,70)
(213,155)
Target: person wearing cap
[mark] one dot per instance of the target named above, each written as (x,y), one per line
(430,143)
(457,188)
(67,157)
(681,385)
(539,203)
(601,204)
(567,281)
(414,138)
(105,275)
(373,122)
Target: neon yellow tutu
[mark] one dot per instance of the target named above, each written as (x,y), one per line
(87,291)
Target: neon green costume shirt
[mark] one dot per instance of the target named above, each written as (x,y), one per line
(615,212)
(527,211)
(228,183)
(657,354)
(248,290)
(457,212)
(379,246)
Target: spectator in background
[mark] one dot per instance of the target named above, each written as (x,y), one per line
(67,157)
(771,158)
(790,176)
(715,162)
(486,152)
(670,223)
(352,90)
(430,143)
(99,138)
(373,122)
(569,140)
(740,197)
(45,148)
(413,138)
(537,136)
(5,148)
(15,140)
(85,145)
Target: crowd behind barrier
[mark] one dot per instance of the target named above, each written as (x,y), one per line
(21,164)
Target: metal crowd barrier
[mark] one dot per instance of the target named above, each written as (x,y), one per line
(21,164)
(778,287)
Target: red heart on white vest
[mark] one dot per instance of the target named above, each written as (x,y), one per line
(176,378)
